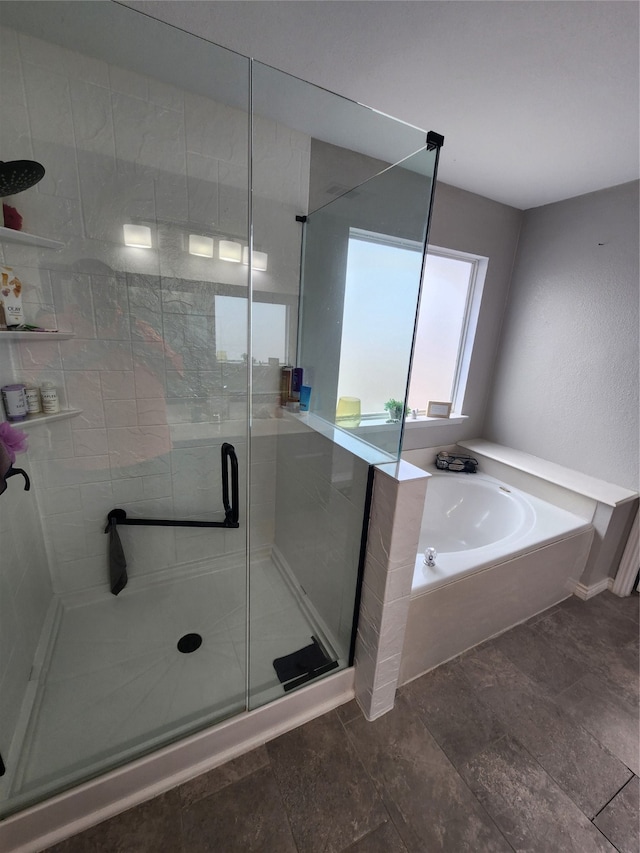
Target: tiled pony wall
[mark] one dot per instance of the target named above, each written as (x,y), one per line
(157,395)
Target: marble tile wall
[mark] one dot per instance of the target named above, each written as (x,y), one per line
(117,147)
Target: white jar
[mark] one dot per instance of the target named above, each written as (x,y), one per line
(34,407)
(50,402)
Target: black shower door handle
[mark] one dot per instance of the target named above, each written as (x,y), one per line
(229,459)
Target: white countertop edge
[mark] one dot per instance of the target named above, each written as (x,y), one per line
(584,484)
(403,471)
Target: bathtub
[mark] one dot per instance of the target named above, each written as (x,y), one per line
(502,556)
(474,521)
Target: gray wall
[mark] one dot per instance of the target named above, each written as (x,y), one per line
(471,223)
(566,381)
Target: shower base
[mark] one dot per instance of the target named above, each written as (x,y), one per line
(114,685)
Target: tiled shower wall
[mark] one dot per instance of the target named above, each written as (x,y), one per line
(156,402)
(320,506)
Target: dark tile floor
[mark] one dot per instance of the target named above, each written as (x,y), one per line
(528,742)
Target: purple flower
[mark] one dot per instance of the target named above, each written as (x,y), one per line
(13,440)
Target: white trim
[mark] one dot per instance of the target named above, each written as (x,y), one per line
(33,694)
(586,592)
(73,811)
(10,235)
(630,562)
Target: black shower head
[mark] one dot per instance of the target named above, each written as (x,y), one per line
(19,175)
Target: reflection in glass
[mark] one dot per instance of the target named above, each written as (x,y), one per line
(361,281)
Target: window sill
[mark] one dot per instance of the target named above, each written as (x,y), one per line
(423,421)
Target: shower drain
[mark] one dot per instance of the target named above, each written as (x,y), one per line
(189,643)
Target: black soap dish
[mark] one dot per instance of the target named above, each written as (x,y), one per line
(457,462)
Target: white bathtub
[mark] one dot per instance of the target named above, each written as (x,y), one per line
(503,556)
(475,521)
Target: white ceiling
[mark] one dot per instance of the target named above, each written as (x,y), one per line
(538,100)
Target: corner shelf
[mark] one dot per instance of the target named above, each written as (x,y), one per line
(42,419)
(36,336)
(10,235)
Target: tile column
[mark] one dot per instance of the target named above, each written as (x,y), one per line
(394,529)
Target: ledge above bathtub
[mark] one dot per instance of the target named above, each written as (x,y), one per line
(575,481)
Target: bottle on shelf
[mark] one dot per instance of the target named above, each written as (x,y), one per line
(49,395)
(34,404)
(15,402)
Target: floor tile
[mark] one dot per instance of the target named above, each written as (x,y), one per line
(588,772)
(627,607)
(609,652)
(209,783)
(542,662)
(147,828)
(349,711)
(531,810)
(385,839)
(449,707)
(428,801)
(620,819)
(593,622)
(607,716)
(329,798)
(245,817)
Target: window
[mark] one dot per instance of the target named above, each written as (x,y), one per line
(375,349)
(446,327)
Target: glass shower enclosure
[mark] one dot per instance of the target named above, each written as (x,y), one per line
(189,548)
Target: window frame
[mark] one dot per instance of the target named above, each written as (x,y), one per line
(477,276)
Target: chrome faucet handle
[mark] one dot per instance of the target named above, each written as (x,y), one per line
(430,556)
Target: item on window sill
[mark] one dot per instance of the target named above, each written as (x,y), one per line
(15,402)
(305,397)
(296,384)
(11,295)
(396,409)
(18,175)
(286,375)
(11,218)
(348,412)
(49,396)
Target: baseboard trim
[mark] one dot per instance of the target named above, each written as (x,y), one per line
(586,592)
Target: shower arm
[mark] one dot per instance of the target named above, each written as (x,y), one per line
(231,514)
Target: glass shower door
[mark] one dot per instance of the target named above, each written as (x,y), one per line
(143,133)
(309,490)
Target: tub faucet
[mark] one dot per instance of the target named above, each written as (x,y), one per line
(430,557)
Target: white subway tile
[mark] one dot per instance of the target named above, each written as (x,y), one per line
(89,442)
